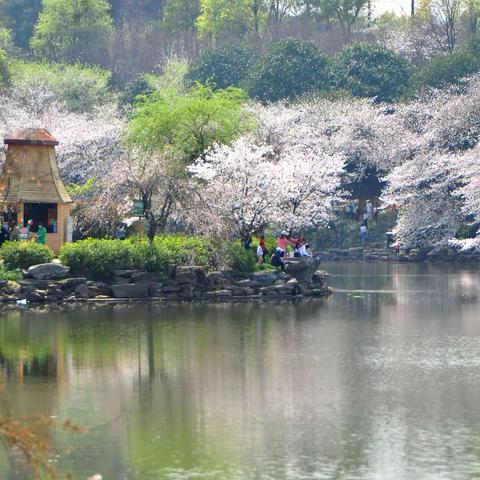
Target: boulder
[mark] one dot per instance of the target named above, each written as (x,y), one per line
(247,283)
(82,291)
(301,268)
(217,279)
(320,277)
(223,293)
(48,271)
(265,278)
(124,273)
(133,290)
(72,283)
(142,277)
(171,289)
(35,296)
(155,290)
(193,275)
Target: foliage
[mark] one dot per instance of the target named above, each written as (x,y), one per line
(24,254)
(219,18)
(345,12)
(100,258)
(4,69)
(10,275)
(88,143)
(224,67)
(134,90)
(290,68)
(187,125)
(367,70)
(238,258)
(5,39)
(81,88)
(69,30)
(283,178)
(20,16)
(447,69)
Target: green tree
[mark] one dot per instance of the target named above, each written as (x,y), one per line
(4,69)
(289,69)
(227,18)
(225,67)
(444,70)
(20,16)
(367,70)
(185,125)
(346,12)
(180,16)
(74,30)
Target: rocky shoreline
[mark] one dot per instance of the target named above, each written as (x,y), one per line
(52,283)
(413,255)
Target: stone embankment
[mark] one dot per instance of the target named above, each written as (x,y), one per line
(53,283)
(412,255)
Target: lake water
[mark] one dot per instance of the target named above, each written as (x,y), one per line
(380,381)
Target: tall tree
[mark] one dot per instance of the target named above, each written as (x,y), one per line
(74,30)
(346,12)
(227,18)
(20,16)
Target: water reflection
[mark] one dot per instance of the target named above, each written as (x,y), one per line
(380,381)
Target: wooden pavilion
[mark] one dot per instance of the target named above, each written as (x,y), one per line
(31,187)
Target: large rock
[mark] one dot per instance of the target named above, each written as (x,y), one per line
(133,290)
(265,278)
(72,283)
(320,277)
(217,280)
(301,268)
(192,275)
(48,271)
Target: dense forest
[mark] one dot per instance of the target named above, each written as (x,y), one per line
(180,102)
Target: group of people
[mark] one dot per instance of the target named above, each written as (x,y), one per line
(13,231)
(299,248)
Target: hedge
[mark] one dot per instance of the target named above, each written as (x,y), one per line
(25,254)
(100,258)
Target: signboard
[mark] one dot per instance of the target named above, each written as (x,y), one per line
(138,208)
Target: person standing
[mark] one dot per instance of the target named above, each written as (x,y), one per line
(41,234)
(363,234)
(263,244)
(15,232)
(282,241)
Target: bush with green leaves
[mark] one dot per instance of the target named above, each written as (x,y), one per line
(188,124)
(223,67)
(367,70)
(17,255)
(96,258)
(445,70)
(81,88)
(134,90)
(289,69)
(4,69)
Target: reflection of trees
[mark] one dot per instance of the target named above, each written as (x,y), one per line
(203,388)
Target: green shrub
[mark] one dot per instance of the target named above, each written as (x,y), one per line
(4,69)
(238,258)
(367,70)
(10,275)
(133,90)
(447,69)
(224,67)
(81,88)
(95,258)
(289,69)
(25,254)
